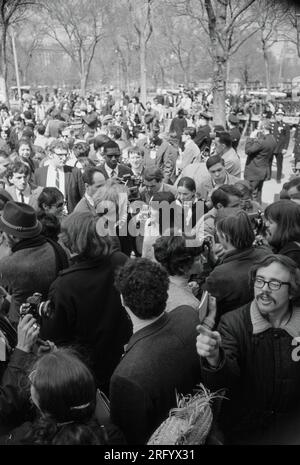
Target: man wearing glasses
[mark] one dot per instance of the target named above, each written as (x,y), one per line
(251,355)
(57,174)
(112,167)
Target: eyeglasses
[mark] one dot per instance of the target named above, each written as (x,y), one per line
(61,155)
(114,155)
(60,204)
(273,285)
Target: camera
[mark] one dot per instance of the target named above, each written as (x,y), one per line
(37,308)
(258,223)
(133,184)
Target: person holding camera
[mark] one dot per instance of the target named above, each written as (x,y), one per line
(33,262)
(16,355)
(254,357)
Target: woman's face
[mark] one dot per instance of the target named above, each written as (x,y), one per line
(24,151)
(184,194)
(271,228)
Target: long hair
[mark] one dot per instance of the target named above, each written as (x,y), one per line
(286,214)
(112,196)
(65,392)
(80,236)
(238,230)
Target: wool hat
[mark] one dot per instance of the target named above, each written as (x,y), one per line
(280,111)
(20,220)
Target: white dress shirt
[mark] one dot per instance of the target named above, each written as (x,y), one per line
(109,171)
(51,179)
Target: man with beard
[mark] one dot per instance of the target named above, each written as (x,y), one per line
(253,355)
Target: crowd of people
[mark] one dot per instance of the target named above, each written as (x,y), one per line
(117,219)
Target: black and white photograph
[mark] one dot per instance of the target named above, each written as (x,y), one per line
(150,225)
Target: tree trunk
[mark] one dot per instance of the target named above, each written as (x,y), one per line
(143,70)
(3,68)
(219,90)
(217,25)
(267,72)
(83,83)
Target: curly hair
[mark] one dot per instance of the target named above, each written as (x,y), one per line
(17,166)
(173,254)
(144,287)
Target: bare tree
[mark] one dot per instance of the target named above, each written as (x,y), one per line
(77,26)
(141,12)
(271,16)
(11,12)
(228,24)
(292,25)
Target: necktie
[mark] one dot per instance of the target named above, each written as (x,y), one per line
(22,197)
(113,173)
(57,179)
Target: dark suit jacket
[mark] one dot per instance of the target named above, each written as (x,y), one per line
(74,184)
(122,170)
(203,138)
(159,360)
(84,206)
(281,133)
(89,314)
(259,153)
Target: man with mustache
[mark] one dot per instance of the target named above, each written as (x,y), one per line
(253,356)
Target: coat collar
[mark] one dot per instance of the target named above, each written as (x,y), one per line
(260,324)
(148,331)
(85,264)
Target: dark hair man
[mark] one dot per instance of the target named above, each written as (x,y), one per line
(218,176)
(20,190)
(141,398)
(93,178)
(112,167)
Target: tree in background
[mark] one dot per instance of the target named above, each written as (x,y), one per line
(78,26)
(228,24)
(12,12)
(141,12)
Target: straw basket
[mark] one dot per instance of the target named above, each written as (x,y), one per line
(189,423)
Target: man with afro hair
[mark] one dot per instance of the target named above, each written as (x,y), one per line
(160,358)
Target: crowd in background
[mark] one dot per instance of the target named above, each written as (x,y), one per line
(122,217)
